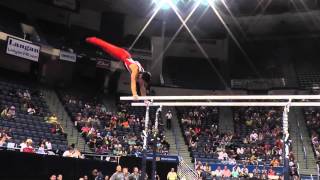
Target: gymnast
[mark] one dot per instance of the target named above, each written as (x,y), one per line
(140,79)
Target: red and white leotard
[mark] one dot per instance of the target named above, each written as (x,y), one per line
(116,52)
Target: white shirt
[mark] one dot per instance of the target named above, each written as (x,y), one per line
(67,153)
(169,115)
(253,136)
(218,173)
(240,150)
(22,146)
(48,145)
(41,150)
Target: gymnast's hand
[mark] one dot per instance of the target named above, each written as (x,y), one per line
(135,97)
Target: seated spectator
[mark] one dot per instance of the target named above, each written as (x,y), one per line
(226,173)
(244,172)
(48,144)
(31,111)
(218,172)
(26,95)
(57,129)
(53,177)
(52,119)
(41,149)
(235,171)
(271,172)
(275,162)
(4,112)
(72,152)
(11,112)
(256,172)
(59,177)
(28,148)
(125,124)
(264,173)
(23,145)
(85,130)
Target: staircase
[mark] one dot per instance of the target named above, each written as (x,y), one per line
(175,137)
(226,120)
(56,107)
(301,142)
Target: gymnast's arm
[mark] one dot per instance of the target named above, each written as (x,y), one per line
(134,74)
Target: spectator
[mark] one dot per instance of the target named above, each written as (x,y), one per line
(218,172)
(244,172)
(226,173)
(126,174)
(271,172)
(52,119)
(264,173)
(28,148)
(11,113)
(41,150)
(172,175)
(256,172)
(53,177)
(26,95)
(4,112)
(135,174)
(31,110)
(235,171)
(48,144)
(275,162)
(22,145)
(60,177)
(169,118)
(118,175)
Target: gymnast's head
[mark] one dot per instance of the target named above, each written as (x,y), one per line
(146,77)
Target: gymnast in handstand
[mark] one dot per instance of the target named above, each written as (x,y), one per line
(140,79)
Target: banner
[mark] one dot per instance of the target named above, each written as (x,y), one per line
(103,64)
(68,56)
(23,49)
(162,158)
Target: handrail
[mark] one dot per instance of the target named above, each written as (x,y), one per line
(298,169)
(302,143)
(305,156)
(174,131)
(318,169)
(185,171)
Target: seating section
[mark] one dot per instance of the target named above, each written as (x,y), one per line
(258,131)
(114,133)
(309,80)
(257,138)
(200,129)
(312,117)
(23,116)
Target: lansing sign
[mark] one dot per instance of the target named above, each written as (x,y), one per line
(23,49)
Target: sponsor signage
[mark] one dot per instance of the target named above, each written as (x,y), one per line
(23,49)
(68,56)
